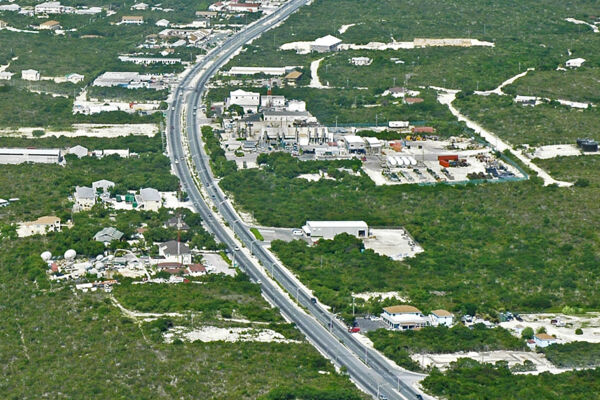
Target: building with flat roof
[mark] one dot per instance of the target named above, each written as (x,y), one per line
(404,317)
(21,155)
(249,101)
(132,19)
(354,144)
(329,229)
(40,226)
(30,75)
(49,7)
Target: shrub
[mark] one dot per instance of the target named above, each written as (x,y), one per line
(579,331)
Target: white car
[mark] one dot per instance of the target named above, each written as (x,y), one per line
(297,232)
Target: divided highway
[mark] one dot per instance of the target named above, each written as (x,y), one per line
(365,366)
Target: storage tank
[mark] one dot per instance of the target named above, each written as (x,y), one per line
(46,256)
(391,161)
(413,161)
(400,161)
(406,161)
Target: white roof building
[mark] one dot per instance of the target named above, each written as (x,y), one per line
(41,226)
(49,7)
(575,62)
(404,317)
(5,75)
(22,155)
(361,61)
(330,229)
(75,78)
(162,22)
(325,44)
(249,101)
(150,199)
(354,143)
(30,75)
(79,151)
(139,6)
(102,184)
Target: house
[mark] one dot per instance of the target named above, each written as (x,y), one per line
(85,197)
(174,251)
(102,184)
(526,100)
(162,22)
(249,101)
(575,62)
(218,6)
(10,7)
(40,226)
(543,339)
(360,61)
(5,75)
(330,229)
(397,91)
(206,14)
(3,24)
(132,19)
(139,6)
(423,129)
(412,100)
(150,199)
(293,77)
(177,223)
(107,235)
(404,317)
(441,317)
(196,270)
(243,7)
(49,25)
(74,78)
(50,7)
(325,44)
(79,151)
(30,75)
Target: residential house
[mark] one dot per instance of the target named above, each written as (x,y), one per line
(272,101)
(50,25)
(162,22)
(404,317)
(360,61)
(150,199)
(196,270)
(139,6)
(423,129)
(206,14)
(79,151)
(543,339)
(325,44)
(243,7)
(412,100)
(5,75)
(132,19)
(30,75)
(575,62)
(397,91)
(527,100)
(293,77)
(107,235)
(40,226)
(441,317)
(85,197)
(174,251)
(177,223)
(103,184)
(74,78)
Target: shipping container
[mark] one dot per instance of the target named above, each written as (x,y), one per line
(448,158)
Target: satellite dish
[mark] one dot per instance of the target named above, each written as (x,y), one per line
(70,254)
(99,257)
(46,256)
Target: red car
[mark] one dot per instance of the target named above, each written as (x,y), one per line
(354,329)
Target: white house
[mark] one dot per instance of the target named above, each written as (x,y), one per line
(5,75)
(543,339)
(41,226)
(85,197)
(74,78)
(174,251)
(25,155)
(30,75)
(162,22)
(107,235)
(49,7)
(249,101)
(150,199)
(132,19)
(575,62)
(103,184)
(325,44)
(404,317)
(359,61)
(79,151)
(441,317)
(139,6)
(296,106)
(329,229)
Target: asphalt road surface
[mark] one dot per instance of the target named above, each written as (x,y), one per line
(365,366)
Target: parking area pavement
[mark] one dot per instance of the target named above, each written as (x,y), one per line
(215,264)
(367,324)
(394,243)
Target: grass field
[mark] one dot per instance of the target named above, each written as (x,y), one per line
(583,169)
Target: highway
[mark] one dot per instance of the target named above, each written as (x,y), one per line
(365,366)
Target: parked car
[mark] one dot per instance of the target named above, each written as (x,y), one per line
(297,232)
(354,329)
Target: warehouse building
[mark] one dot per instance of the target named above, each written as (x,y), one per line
(21,155)
(329,229)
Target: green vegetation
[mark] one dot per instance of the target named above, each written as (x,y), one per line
(135,144)
(579,84)
(124,94)
(543,124)
(582,170)
(574,354)
(515,246)
(468,379)
(398,346)
(219,164)
(214,295)
(257,234)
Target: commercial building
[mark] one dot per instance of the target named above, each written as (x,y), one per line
(276,71)
(441,317)
(49,7)
(249,101)
(174,251)
(374,145)
(404,317)
(21,155)
(329,229)
(354,144)
(150,60)
(150,199)
(30,75)
(325,44)
(40,226)
(85,197)
(132,19)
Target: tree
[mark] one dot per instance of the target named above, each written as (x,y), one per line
(527,333)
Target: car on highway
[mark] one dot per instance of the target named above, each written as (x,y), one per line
(354,329)
(236,248)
